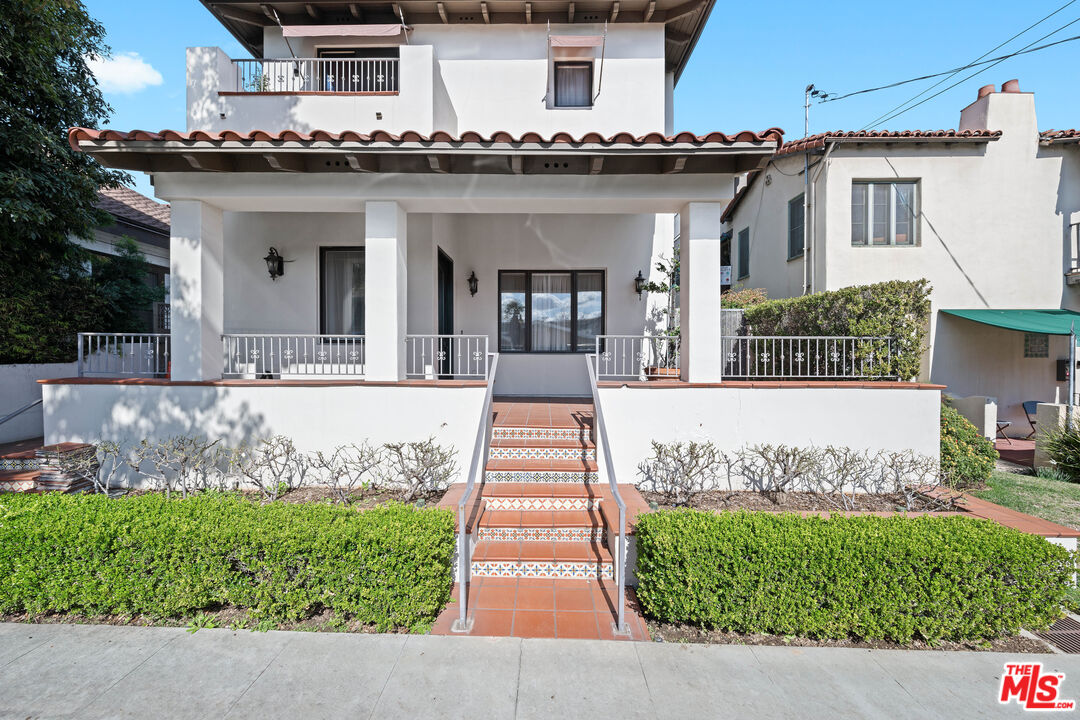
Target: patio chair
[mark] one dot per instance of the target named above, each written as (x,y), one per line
(1031,408)
(1002,425)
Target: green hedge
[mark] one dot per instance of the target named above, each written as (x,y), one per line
(870,577)
(967,457)
(389,566)
(898,309)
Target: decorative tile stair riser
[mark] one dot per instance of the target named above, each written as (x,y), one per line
(542,569)
(544,534)
(539,476)
(541,453)
(19,463)
(17,486)
(503,432)
(541,503)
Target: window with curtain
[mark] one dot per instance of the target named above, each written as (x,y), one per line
(883,213)
(573,84)
(795,212)
(342,291)
(551,312)
(744,253)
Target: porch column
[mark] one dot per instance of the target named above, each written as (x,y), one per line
(385,252)
(699,292)
(197,288)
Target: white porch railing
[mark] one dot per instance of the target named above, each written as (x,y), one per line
(293,356)
(123,354)
(431,357)
(822,357)
(332,75)
(642,357)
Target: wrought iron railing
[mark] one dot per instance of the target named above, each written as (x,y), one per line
(642,357)
(477,468)
(332,75)
(432,357)
(162,317)
(821,357)
(123,354)
(293,356)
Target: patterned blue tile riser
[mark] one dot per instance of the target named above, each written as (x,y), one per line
(503,432)
(540,503)
(542,569)
(541,453)
(19,464)
(541,476)
(544,534)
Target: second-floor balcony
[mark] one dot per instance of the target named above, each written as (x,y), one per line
(356,76)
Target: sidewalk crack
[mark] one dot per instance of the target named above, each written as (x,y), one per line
(265,668)
(125,675)
(645,678)
(401,651)
(517,685)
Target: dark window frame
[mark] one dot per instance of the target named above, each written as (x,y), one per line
(573,310)
(800,202)
(323,249)
(743,254)
(555,81)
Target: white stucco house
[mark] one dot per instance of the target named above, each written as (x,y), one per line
(989,213)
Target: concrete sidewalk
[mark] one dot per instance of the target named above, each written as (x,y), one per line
(85,671)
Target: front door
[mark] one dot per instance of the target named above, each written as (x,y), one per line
(446,310)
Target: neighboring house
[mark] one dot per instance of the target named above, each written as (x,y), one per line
(988,213)
(147,223)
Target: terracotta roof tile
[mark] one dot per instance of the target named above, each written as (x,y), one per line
(77,135)
(819,140)
(1059,135)
(126,204)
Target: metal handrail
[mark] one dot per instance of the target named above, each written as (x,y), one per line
(295,354)
(124,354)
(810,356)
(478,466)
(20,411)
(620,549)
(330,75)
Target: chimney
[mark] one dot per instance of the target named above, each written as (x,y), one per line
(1008,110)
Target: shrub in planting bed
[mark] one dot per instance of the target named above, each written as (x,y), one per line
(888,578)
(389,566)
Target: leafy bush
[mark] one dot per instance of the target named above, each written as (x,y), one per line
(899,309)
(967,458)
(892,578)
(1063,448)
(743,298)
(389,566)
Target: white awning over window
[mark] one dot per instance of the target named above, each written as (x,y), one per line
(341,30)
(576,41)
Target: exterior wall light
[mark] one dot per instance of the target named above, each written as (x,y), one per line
(639,283)
(473,283)
(275,264)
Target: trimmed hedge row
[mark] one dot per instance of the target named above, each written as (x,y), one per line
(389,566)
(869,577)
(898,309)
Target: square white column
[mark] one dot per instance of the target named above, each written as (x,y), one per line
(699,292)
(385,291)
(197,288)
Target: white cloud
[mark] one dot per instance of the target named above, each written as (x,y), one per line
(124,73)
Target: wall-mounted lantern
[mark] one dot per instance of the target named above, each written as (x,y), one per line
(275,264)
(639,283)
(473,283)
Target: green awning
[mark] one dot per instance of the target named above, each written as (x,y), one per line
(1050,322)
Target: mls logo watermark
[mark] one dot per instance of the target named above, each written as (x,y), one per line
(1032,689)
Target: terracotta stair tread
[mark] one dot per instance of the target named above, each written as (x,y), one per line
(532,551)
(540,490)
(542,465)
(20,455)
(541,519)
(19,474)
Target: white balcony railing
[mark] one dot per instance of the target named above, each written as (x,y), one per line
(640,357)
(821,357)
(293,356)
(343,75)
(123,354)
(432,357)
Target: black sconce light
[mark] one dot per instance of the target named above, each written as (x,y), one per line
(639,283)
(275,264)
(473,283)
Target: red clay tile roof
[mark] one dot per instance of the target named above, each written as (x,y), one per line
(76,135)
(819,140)
(1059,135)
(126,204)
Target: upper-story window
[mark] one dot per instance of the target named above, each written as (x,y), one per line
(884,213)
(744,253)
(573,84)
(358,70)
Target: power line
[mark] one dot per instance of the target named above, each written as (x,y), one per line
(890,114)
(964,79)
(831,98)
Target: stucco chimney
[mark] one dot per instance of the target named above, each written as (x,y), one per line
(984,91)
(1011,86)
(1008,110)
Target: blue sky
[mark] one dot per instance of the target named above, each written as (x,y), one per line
(748,71)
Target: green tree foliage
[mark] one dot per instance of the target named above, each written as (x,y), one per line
(47,190)
(120,281)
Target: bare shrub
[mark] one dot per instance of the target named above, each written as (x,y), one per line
(771,469)
(418,468)
(98,466)
(274,466)
(349,469)
(678,471)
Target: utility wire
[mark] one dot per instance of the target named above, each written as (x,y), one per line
(890,114)
(831,98)
(963,79)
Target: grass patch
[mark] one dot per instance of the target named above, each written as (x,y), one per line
(1052,500)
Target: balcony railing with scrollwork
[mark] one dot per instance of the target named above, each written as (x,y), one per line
(638,357)
(262,356)
(317,75)
(123,354)
(831,357)
(433,357)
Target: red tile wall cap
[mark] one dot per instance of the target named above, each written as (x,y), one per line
(1052,135)
(819,140)
(78,134)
